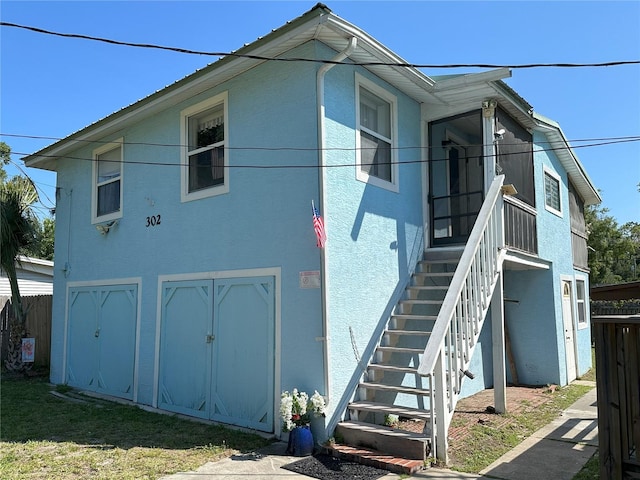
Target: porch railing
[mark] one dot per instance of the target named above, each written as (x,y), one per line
(457,327)
(520,228)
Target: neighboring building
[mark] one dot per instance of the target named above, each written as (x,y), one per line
(188,275)
(35,277)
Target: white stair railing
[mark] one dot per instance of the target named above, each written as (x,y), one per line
(450,347)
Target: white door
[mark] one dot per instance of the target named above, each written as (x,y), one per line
(567,317)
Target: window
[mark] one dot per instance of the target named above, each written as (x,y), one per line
(581,303)
(204,134)
(375,139)
(552,192)
(107,182)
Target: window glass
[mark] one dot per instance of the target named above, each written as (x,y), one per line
(580,298)
(375,136)
(206,149)
(107,182)
(551,192)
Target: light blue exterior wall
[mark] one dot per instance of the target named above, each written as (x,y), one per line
(264,220)
(375,235)
(533,306)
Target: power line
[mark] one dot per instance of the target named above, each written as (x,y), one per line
(313,60)
(342,165)
(605,140)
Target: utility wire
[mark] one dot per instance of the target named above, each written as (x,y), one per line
(342,165)
(313,60)
(34,185)
(607,140)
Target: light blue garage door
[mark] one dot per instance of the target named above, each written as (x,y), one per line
(101,339)
(217,350)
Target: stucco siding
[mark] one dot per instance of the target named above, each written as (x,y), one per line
(375,235)
(264,221)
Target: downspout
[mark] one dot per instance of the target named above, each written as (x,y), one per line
(321,164)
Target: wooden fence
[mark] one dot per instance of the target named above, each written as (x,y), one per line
(617,345)
(38,326)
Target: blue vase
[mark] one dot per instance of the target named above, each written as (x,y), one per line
(300,442)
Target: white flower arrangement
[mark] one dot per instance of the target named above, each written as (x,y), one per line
(296,408)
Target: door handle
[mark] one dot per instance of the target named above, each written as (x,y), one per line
(97,334)
(210,338)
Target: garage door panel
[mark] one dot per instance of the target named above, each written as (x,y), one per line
(243,352)
(82,363)
(118,337)
(101,338)
(184,349)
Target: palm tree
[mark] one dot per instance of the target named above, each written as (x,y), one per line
(17,231)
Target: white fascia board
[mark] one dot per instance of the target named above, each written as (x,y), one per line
(36,265)
(576,171)
(379,51)
(472,79)
(195,83)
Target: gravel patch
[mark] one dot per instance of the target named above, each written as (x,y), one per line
(327,467)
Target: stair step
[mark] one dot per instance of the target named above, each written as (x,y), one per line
(373,458)
(408,332)
(384,439)
(394,388)
(413,351)
(433,274)
(411,301)
(406,412)
(392,368)
(427,288)
(413,316)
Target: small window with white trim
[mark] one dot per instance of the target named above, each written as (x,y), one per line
(375,140)
(581,303)
(106,198)
(204,163)
(552,192)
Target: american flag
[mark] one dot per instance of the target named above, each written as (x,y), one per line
(318,227)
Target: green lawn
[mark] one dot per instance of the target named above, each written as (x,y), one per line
(487,443)
(43,436)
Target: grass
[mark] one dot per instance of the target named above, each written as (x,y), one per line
(43,436)
(487,443)
(591,470)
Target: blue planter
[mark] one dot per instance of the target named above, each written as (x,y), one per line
(300,442)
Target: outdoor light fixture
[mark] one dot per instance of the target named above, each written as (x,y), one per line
(104,228)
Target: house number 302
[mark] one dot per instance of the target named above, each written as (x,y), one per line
(153,220)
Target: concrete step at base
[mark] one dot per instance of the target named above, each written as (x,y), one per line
(373,458)
(400,443)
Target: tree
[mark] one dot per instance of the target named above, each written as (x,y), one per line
(17,232)
(614,251)
(5,156)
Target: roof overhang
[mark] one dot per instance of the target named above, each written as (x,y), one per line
(319,24)
(446,97)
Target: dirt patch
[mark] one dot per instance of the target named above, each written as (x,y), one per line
(480,409)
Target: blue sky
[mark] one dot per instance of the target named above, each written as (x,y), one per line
(52,87)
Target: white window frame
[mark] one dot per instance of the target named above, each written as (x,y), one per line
(582,304)
(553,175)
(362,82)
(185,195)
(95,218)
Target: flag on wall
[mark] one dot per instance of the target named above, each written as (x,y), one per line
(318,227)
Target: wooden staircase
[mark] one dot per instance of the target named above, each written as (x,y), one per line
(422,358)
(391,385)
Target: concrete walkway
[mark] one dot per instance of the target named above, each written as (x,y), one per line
(557,451)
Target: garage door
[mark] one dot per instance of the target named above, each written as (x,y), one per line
(217,350)
(101,339)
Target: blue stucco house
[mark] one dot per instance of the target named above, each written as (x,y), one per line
(187,273)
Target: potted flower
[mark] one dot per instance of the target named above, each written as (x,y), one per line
(297,410)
